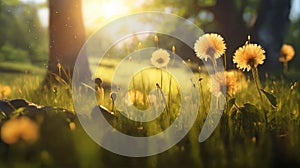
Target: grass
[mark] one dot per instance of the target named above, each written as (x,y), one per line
(21,68)
(242,138)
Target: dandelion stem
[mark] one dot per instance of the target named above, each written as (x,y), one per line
(225,61)
(59,72)
(256,80)
(156,40)
(201,91)
(163,96)
(285,67)
(214,61)
(173,55)
(113,106)
(161,77)
(170,93)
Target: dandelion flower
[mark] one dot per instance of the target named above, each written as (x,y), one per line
(160,58)
(135,97)
(210,46)
(232,80)
(29,130)
(287,53)
(58,66)
(140,45)
(4,91)
(10,132)
(20,128)
(113,96)
(173,49)
(249,56)
(155,39)
(99,91)
(72,126)
(230,83)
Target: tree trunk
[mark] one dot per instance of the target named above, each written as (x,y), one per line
(67,36)
(270,29)
(230,24)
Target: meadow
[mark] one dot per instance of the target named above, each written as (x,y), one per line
(251,133)
(151,72)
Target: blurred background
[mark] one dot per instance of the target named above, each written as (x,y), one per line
(40,41)
(26,34)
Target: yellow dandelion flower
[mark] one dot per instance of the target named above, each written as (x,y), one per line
(287,53)
(58,66)
(232,80)
(160,58)
(72,126)
(140,45)
(10,133)
(29,130)
(99,91)
(173,49)
(135,97)
(217,80)
(249,56)
(210,46)
(4,91)
(156,39)
(19,128)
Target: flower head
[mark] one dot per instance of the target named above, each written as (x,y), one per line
(173,49)
(155,39)
(140,45)
(19,128)
(135,97)
(210,46)
(160,58)
(234,81)
(249,56)
(72,126)
(4,91)
(113,96)
(287,53)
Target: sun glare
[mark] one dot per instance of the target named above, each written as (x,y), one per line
(113,8)
(93,10)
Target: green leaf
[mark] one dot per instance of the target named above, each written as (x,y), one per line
(271,116)
(249,108)
(272,99)
(2,116)
(251,113)
(234,114)
(230,103)
(17,112)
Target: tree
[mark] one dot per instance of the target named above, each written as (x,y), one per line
(271,28)
(67,36)
(23,39)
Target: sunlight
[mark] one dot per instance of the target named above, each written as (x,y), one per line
(93,10)
(113,8)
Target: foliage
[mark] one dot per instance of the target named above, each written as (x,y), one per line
(11,54)
(21,31)
(293,37)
